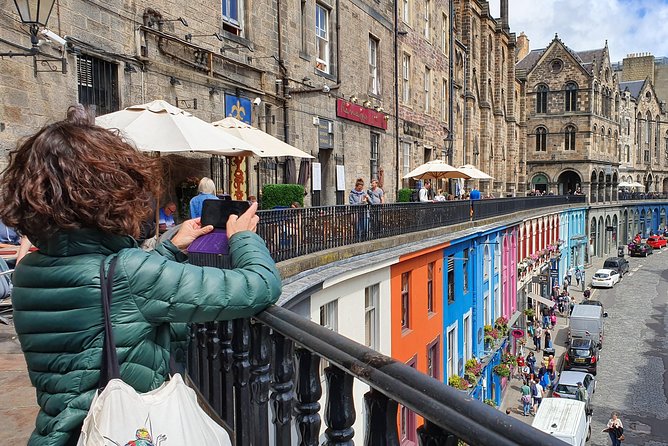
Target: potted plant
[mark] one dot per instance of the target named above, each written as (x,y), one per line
(501,324)
(458,382)
(530,313)
(503,370)
(508,359)
(489,402)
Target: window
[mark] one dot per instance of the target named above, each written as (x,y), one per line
(322,38)
(427,19)
(445,35)
(444,100)
(485,310)
(374,86)
(427,89)
(465,270)
(569,138)
(373,155)
(405,301)
(468,351)
(430,287)
(371,325)
(406,78)
(627,152)
(433,356)
(541,139)
(329,316)
(571,94)
(452,351)
(97,82)
(451,279)
(406,11)
(232,14)
(541,99)
(303,25)
(406,157)
(408,421)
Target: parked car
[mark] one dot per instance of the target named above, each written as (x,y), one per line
(605,278)
(564,419)
(640,249)
(582,355)
(567,386)
(656,242)
(618,263)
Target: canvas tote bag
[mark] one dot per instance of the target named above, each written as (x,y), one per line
(166,416)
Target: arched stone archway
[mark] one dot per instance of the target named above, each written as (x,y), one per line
(615,182)
(592,238)
(568,182)
(593,186)
(626,227)
(649,180)
(662,218)
(643,223)
(614,238)
(664,189)
(599,237)
(539,182)
(608,235)
(601,187)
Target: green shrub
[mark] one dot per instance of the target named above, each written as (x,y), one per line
(404,195)
(281,195)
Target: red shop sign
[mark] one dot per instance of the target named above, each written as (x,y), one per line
(357,113)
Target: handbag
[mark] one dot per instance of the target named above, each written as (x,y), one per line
(621,438)
(119,415)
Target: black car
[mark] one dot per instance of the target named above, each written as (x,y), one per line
(617,263)
(640,249)
(582,355)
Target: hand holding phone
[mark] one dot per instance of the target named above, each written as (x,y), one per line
(245,222)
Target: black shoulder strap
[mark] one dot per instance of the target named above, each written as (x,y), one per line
(109,368)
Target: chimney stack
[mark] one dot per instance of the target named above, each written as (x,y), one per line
(504,15)
(522,46)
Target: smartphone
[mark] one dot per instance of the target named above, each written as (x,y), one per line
(217,212)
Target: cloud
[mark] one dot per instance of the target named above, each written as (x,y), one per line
(629,26)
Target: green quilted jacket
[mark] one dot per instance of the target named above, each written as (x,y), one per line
(59,320)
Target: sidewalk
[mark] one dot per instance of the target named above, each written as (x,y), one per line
(511,399)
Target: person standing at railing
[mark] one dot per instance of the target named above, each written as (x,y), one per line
(206,191)
(359,196)
(424,192)
(376,194)
(80,192)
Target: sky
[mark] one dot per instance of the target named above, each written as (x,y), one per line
(629,26)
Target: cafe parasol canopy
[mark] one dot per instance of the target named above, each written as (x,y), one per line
(161,127)
(264,144)
(436,170)
(474,172)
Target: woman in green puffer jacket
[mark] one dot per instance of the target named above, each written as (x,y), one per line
(80,192)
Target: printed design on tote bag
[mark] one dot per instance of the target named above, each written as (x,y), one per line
(143,438)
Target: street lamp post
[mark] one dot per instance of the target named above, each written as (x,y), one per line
(34,13)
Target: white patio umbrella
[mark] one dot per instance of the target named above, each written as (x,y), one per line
(160,127)
(474,172)
(624,184)
(636,184)
(264,144)
(436,170)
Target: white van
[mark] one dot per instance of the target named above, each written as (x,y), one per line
(564,419)
(586,322)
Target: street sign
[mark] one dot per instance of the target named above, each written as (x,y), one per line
(554,273)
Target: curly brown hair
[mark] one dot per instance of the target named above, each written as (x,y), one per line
(74,174)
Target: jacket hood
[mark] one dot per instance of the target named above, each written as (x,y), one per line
(71,242)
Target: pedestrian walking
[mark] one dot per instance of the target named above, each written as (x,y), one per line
(553,319)
(615,429)
(578,276)
(537,390)
(546,317)
(587,293)
(548,339)
(551,366)
(537,336)
(531,362)
(526,400)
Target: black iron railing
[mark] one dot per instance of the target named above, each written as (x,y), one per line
(251,372)
(291,233)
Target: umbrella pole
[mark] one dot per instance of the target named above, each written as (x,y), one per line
(157,209)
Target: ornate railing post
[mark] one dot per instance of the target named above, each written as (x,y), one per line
(241,367)
(381,420)
(259,382)
(340,409)
(211,389)
(202,365)
(283,388)
(431,435)
(225,371)
(309,392)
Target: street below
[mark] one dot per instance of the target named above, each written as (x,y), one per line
(633,371)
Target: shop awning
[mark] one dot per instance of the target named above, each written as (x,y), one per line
(540,299)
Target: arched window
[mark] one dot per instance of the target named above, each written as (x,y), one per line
(569,138)
(541,139)
(571,93)
(541,99)
(657,138)
(595,103)
(627,152)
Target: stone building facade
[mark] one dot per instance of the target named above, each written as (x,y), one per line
(572,121)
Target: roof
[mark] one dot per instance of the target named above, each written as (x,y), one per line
(589,311)
(585,58)
(634,87)
(530,59)
(559,415)
(588,57)
(572,377)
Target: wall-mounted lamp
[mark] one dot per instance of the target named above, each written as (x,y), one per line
(367,104)
(379,109)
(129,68)
(174,81)
(402,32)
(35,14)
(189,37)
(213,91)
(353,99)
(326,89)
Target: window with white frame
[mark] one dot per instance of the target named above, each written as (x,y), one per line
(406,78)
(322,38)
(444,100)
(232,16)
(373,155)
(329,318)
(486,262)
(405,301)
(452,351)
(445,34)
(371,325)
(451,279)
(427,19)
(406,11)
(407,419)
(406,157)
(374,85)
(433,359)
(465,270)
(468,351)
(427,89)
(430,287)
(485,310)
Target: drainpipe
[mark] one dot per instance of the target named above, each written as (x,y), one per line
(396,92)
(451,88)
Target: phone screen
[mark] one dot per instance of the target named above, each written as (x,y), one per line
(217,212)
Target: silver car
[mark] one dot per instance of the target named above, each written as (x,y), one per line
(566,386)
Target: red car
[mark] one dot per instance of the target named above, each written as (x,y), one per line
(656,242)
